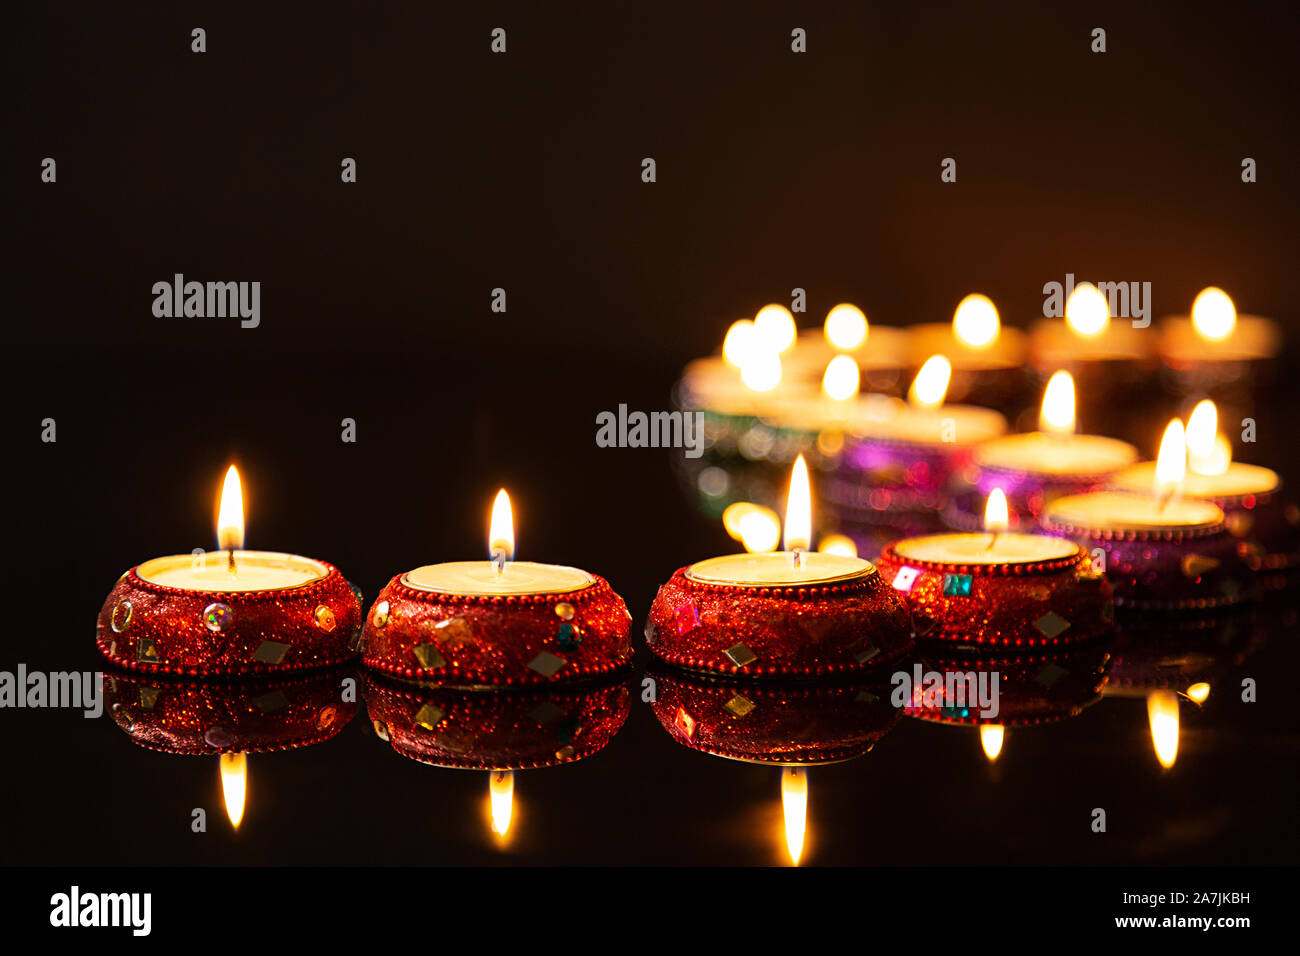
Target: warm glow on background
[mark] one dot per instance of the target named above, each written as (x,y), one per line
(975,322)
(774,327)
(1213,314)
(842,379)
(931,383)
(838,544)
(756,527)
(846,327)
(761,369)
(738,342)
(1087,312)
(1057,412)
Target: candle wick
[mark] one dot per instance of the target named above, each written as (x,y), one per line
(993,539)
(796,558)
(230,559)
(499,560)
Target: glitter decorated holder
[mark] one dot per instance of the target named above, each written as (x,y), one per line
(482,641)
(1049,601)
(847,624)
(209,718)
(772,723)
(1189,562)
(521,730)
(148,625)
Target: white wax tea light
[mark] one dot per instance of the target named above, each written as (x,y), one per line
(795,566)
(1055,449)
(253,571)
(499,575)
(993,547)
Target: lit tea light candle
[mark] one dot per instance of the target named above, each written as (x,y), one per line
(1249,495)
(232,611)
(1160,549)
(907,451)
(1087,335)
(999,587)
(1214,332)
(497,621)
(881,352)
(975,340)
(1035,467)
(754,613)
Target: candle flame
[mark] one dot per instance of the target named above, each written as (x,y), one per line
(230,513)
(760,369)
(798,509)
(997,517)
(1057,413)
(234,785)
(774,327)
(1198,692)
(501,801)
(842,379)
(1208,451)
(756,527)
(794,805)
(1213,314)
(931,383)
(991,737)
(739,340)
(501,530)
(1087,311)
(846,327)
(1171,463)
(975,322)
(838,544)
(1162,715)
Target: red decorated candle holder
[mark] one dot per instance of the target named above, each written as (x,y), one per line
(813,630)
(1198,567)
(1035,688)
(497,640)
(788,725)
(208,719)
(156,628)
(1030,604)
(497,731)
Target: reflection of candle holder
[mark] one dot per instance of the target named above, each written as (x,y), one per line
(495,640)
(801,630)
(497,731)
(769,723)
(1036,688)
(152,627)
(1189,563)
(207,719)
(1160,652)
(1026,604)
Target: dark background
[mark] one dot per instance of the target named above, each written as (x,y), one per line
(775,170)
